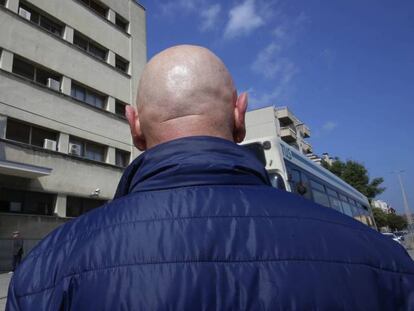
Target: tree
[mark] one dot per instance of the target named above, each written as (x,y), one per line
(380,217)
(393,221)
(396,222)
(356,175)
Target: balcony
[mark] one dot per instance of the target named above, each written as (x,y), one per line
(288,134)
(285,116)
(306,147)
(304,129)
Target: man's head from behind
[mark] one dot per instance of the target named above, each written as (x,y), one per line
(186,91)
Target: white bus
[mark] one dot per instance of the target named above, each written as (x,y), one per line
(292,171)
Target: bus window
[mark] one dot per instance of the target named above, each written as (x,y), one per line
(336,204)
(347,208)
(320,198)
(305,183)
(277,181)
(319,195)
(343,198)
(333,198)
(317,186)
(294,179)
(332,193)
(298,183)
(357,213)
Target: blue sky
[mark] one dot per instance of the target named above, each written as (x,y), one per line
(346,68)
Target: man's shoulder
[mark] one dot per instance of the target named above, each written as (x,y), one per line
(50,256)
(298,227)
(329,234)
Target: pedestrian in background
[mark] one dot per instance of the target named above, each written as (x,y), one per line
(17,250)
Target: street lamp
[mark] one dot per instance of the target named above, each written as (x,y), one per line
(404,195)
(409,241)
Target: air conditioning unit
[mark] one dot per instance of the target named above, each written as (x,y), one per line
(15,207)
(25,14)
(53,84)
(75,149)
(49,144)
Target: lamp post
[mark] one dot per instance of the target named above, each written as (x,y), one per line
(409,240)
(404,195)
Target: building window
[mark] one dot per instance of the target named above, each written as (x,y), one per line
(87,96)
(120,108)
(76,206)
(23,68)
(40,19)
(122,158)
(36,73)
(121,22)
(26,202)
(89,46)
(96,6)
(86,149)
(32,135)
(121,63)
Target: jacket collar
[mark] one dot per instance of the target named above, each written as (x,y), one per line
(192,161)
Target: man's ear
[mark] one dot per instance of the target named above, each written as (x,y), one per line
(137,136)
(240,107)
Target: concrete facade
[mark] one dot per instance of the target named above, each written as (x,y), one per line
(281,122)
(58,170)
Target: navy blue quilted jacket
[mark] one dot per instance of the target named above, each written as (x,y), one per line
(195,225)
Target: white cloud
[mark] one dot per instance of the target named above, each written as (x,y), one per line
(329,126)
(274,63)
(280,93)
(271,64)
(209,17)
(171,7)
(279,32)
(243,19)
(266,62)
(207,13)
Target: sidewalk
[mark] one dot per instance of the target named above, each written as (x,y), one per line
(4,285)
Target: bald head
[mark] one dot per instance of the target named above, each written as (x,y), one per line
(185,91)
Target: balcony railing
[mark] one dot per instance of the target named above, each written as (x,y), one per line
(288,134)
(307,147)
(304,129)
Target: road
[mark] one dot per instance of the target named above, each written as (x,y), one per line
(4,285)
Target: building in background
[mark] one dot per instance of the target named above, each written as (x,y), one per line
(67,70)
(318,160)
(384,206)
(281,122)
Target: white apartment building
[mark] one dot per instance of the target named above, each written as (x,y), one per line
(67,70)
(281,122)
(384,206)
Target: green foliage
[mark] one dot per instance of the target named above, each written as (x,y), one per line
(356,175)
(396,222)
(380,217)
(393,221)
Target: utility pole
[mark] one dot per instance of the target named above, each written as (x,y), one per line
(406,207)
